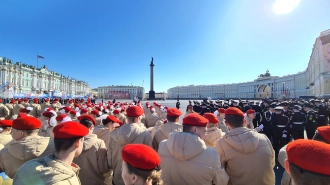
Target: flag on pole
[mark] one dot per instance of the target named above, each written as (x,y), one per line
(41,57)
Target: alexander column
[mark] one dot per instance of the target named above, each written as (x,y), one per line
(152,92)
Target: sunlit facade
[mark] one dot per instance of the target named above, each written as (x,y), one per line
(314,81)
(28,79)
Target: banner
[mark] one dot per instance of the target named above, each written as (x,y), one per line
(117,95)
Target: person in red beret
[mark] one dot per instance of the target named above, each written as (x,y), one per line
(308,162)
(151,117)
(241,148)
(4,111)
(213,134)
(185,159)
(10,105)
(189,110)
(17,108)
(83,111)
(172,125)
(74,115)
(36,111)
(249,116)
(56,105)
(140,165)
(28,145)
(221,117)
(109,124)
(132,132)
(56,167)
(96,114)
(93,159)
(45,105)
(5,130)
(322,134)
(119,115)
(25,102)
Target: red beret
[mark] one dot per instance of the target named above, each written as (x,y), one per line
(88,117)
(234,111)
(211,117)
(23,110)
(250,111)
(116,112)
(96,112)
(310,155)
(47,114)
(70,101)
(221,110)
(112,118)
(73,112)
(195,120)
(76,105)
(35,100)
(324,133)
(134,111)
(19,101)
(140,156)
(60,117)
(190,107)
(25,99)
(26,123)
(82,111)
(21,114)
(0,100)
(46,100)
(67,109)
(174,112)
(6,123)
(70,129)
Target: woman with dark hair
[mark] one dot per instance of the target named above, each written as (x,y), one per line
(140,165)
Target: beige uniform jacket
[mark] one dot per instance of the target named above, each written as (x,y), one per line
(213,134)
(122,118)
(44,106)
(103,133)
(247,156)
(47,171)
(222,125)
(164,131)
(36,112)
(19,152)
(249,124)
(151,120)
(17,108)
(162,114)
(92,161)
(5,139)
(4,111)
(128,133)
(185,160)
(25,104)
(282,156)
(10,108)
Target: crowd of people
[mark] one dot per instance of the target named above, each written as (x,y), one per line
(123,143)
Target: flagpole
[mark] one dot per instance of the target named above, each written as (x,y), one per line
(37,60)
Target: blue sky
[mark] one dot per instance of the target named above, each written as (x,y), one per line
(196,42)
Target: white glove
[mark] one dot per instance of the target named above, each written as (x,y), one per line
(284,136)
(261,126)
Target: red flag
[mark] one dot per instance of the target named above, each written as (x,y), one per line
(88,100)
